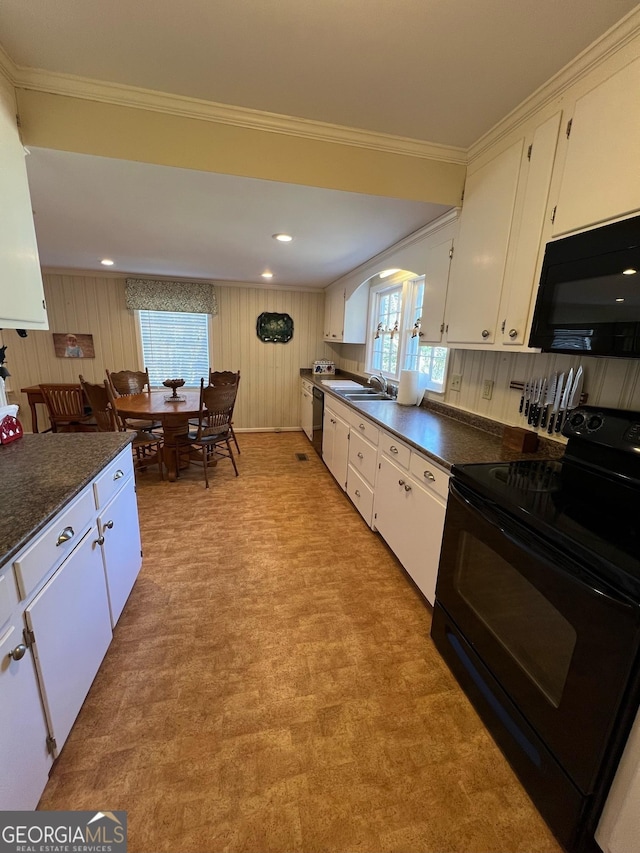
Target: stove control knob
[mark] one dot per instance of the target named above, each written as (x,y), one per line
(594,422)
(577,420)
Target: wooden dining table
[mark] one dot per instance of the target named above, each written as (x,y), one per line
(174,417)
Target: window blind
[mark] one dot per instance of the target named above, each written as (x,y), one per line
(175,345)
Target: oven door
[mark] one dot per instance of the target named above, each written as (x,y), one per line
(560,644)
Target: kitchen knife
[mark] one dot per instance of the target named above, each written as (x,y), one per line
(541,401)
(576,391)
(534,396)
(556,403)
(550,397)
(527,396)
(525,388)
(565,400)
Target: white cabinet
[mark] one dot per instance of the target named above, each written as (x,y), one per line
(335,440)
(22,304)
(436,282)
(306,408)
(71,632)
(361,473)
(601,178)
(26,760)
(345,318)
(409,510)
(619,827)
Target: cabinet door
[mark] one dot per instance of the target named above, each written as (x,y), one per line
(23,731)
(23,301)
(70,621)
(306,413)
(480,254)
(411,520)
(524,248)
(334,314)
(118,525)
(601,178)
(436,280)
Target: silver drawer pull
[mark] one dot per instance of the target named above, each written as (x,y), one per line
(99,540)
(407,488)
(360,456)
(67,533)
(109,525)
(401,482)
(361,426)
(118,474)
(19,652)
(357,493)
(393,449)
(485,333)
(429,476)
(513,333)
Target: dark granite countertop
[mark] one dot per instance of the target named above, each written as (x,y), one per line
(41,473)
(447,435)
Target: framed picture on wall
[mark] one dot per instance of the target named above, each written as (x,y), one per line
(73,345)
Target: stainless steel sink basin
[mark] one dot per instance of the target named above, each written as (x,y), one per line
(366,395)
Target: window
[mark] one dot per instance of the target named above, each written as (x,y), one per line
(394,339)
(175,345)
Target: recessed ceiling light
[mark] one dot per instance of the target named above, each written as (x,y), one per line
(387,273)
(620,300)
(630,271)
(267,275)
(283,238)
(107,262)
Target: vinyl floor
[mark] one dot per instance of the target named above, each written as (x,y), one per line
(272,687)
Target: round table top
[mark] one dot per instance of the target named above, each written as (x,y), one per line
(153,403)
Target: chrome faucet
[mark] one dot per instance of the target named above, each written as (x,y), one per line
(380,381)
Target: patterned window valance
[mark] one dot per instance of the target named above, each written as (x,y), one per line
(189,297)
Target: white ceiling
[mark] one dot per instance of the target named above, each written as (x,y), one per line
(442,71)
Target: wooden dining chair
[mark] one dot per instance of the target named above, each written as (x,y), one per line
(213,435)
(226,377)
(123,383)
(147,448)
(67,408)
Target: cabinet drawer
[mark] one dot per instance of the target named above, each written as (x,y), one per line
(54,544)
(307,386)
(362,426)
(395,449)
(429,474)
(113,478)
(361,494)
(337,408)
(362,457)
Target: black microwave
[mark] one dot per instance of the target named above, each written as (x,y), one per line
(589,295)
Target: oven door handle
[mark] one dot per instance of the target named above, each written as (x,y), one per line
(489,512)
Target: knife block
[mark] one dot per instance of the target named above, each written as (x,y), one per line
(519,440)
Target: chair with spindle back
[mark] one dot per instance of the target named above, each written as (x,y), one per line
(67,408)
(226,377)
(123,383)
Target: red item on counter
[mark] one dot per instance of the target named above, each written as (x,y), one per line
(10,429)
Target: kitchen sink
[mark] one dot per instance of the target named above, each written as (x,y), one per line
(365,395)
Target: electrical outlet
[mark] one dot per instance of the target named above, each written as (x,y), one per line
(487,389)
(456,382)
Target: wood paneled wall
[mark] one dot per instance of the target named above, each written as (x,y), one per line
(269,394)
(609,381)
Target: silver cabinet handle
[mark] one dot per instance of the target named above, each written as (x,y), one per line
(357,493)
(429,476)
(67,533)
(513,333)
(401,482)
(19,652)
(407,488)
(361,426)
(109,525)
(99,540)
(360,456)
(485,333)
(118,474)
(393,449)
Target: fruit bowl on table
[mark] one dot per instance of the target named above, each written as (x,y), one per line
(174,384)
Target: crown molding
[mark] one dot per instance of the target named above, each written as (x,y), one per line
(122,275)
(147,99)
(8,68)
(610,43)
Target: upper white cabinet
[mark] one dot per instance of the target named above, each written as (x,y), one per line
(23,304)
(480,254)
(601,176)
(345,319)
(436,281)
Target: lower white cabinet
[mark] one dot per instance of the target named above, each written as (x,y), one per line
(306,408)
(410,518)
(120,537)
(71,628)
(335,441)
(361,473)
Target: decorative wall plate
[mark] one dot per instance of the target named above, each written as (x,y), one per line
(274,328)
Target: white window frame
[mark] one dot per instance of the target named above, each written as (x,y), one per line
(141,360)
(409,310)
